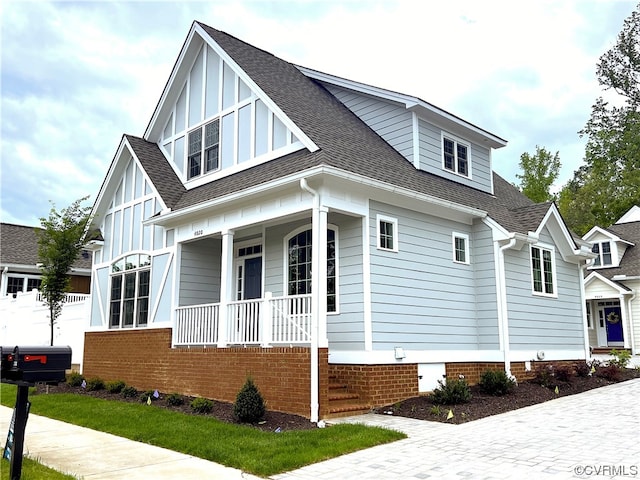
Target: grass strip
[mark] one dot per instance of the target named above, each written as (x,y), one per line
(243,447)
(33,470)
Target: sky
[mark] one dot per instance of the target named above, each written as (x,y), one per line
(76,76)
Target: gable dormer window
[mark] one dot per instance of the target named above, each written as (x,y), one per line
(603,249)
(455,155)
(204,145)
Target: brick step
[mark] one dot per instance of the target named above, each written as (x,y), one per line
(346,408)
(338,386)
(607,350)
(337,396)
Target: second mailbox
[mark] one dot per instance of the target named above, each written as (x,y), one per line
(33,364)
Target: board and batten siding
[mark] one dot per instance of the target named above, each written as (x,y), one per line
(388,119)
(421,299)
(483,262)
(542,322)
(200,272)
(161,288)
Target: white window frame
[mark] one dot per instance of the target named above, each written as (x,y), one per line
(25,282)
(203,149)
(464,237)
(589,315)
(456,165)
(554,277)
(285,275)
(600,253)
(136,297)
(394,235)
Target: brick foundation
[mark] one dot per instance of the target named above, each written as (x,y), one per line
(378,385)
(472,371)
(145,360)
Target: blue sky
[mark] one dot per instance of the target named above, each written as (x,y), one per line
(75,76)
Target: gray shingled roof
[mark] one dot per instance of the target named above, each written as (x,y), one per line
(630,262)
(344,142)
(19,246)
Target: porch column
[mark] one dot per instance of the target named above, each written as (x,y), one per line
(226,285)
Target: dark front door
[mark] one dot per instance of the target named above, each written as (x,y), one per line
(613,322)
(253,278)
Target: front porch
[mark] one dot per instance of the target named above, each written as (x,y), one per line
(268,321)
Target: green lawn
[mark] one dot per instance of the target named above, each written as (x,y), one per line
(32,470)
(254,451)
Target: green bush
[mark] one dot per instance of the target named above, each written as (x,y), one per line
(451,392)
(249,405)
(175,399)
(621,358)
(129,392)
(201,405)
(496,382)
(75,379)
(544,375)
(115,386)
(94,384)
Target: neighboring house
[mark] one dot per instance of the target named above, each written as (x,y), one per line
(19,262)
(329,238)
(612,284)
(24,316)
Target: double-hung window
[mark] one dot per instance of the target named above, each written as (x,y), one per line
(129,301)
(460,248)
(387,234)
(455,155)
(603,250)
(203,155)
(542,271)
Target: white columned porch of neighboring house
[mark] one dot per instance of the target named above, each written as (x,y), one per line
(226,284)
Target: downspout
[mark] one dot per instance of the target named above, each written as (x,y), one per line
(314,381)
(503,317)
(3,281)
(585,328)
(634,348)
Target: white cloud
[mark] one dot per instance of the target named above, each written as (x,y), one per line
(76,76)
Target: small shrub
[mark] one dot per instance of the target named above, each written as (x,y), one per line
(201,405)
(148,394)
(115,386)
(544,375)
(75,379)
(563,373)
(582,369)
(435,410)
(451,392)
(129,392)
(496,382)
(175,400)
(249,405)
(94,384)
(621,358)
(611,372)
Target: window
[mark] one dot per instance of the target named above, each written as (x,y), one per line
(460,248)
(589,318)
(455,156)
(203,149)
(129,302)
(20,283)
(387,233)
(542,271)
(299,266)
(603,250)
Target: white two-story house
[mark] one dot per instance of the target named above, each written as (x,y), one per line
(343,244)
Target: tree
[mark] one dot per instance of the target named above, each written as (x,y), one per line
(60,242)
(539,171)
(607,185)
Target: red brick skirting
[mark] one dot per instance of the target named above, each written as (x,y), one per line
(472,371)
(145,360)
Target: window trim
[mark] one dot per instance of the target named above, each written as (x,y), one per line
(394,235)
(122,273)
(600,247)
(25,278)
(465,238)
(554,282)
(297,231)
(456,167)
(203,151)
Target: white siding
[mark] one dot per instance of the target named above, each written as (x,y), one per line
(483,261)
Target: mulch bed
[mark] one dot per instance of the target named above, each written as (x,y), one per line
(483,405)
(222,411)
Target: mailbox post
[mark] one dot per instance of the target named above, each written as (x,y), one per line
(24,367)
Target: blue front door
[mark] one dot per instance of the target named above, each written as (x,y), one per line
(613,322)
(253,278)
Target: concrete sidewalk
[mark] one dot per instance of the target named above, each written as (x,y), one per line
(93,455)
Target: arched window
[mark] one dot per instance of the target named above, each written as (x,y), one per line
(129,301)
(299,266)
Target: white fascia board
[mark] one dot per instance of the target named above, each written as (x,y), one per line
(410,102)
(611,284)
(574,251)
(499,233)
(619,278)
(170,217)
(20,268)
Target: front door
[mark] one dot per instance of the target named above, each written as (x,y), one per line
(252,287)
(613,322)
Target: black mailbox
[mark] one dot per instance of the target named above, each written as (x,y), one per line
(33,364)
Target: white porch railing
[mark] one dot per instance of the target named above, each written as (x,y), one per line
(266,321)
